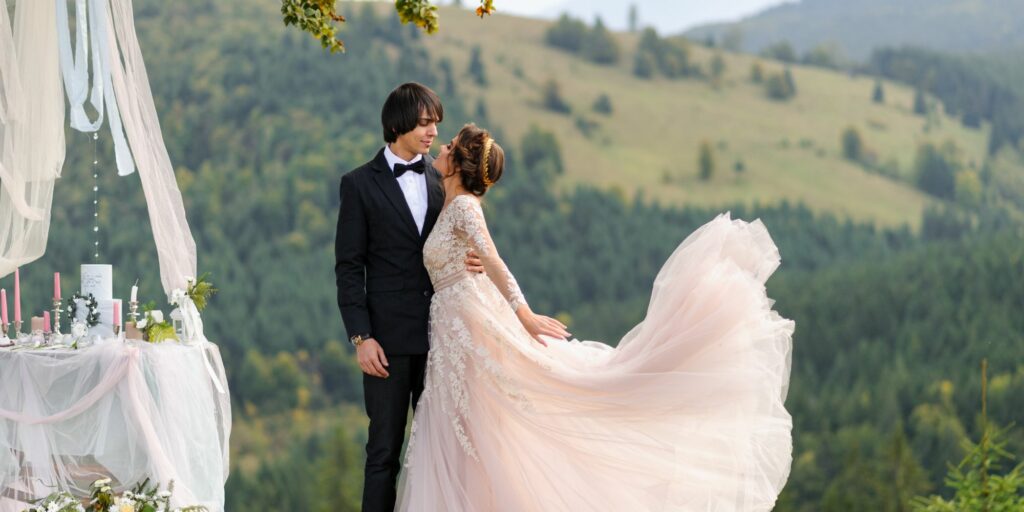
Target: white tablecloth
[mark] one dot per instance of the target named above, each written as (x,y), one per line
(125,410)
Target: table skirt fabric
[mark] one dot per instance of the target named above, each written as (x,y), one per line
(121,410)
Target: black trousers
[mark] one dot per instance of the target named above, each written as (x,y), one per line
(387,405)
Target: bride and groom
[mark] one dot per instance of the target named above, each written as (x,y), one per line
(685,413)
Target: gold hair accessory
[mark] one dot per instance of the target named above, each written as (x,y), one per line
(487,157)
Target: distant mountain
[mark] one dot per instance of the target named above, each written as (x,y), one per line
(959,26)
(667,16)
(650,141)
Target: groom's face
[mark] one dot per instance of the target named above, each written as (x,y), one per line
(419,140)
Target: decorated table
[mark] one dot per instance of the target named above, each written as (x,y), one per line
(120,409)
(83,410)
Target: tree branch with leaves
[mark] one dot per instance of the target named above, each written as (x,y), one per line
(321,19)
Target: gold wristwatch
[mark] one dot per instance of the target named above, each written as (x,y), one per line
(358,339)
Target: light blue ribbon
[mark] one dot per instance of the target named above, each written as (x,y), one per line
(75,71)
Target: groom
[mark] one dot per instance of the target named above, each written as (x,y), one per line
(388,207)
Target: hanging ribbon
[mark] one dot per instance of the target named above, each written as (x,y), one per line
(192,329)
(75,70)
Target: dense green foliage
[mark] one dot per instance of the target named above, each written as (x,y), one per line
(595,44)
(978,481)
(782,51)
(852,144)
(670,57)
(967,88)
(261,123)
(780,86)
(858,28)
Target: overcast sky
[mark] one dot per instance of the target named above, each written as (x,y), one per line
(668,16)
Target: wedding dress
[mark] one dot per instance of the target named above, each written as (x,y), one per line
(686,413)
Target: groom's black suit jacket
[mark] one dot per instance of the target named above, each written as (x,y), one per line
(383,287)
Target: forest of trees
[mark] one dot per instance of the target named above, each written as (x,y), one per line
(261,123)
(595,44)
(967,88)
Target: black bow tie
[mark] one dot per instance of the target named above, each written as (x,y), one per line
(417,167)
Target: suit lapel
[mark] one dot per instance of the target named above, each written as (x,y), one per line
(385,179)
(435,198)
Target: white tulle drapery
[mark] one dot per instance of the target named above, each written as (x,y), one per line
(32,118)
(129,411)
(31,130)
(175,246)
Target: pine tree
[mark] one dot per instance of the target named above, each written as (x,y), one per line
(603,104)
(756,72)
(975,481)
(717,69)
(920,105)
(853,145)
(476,66)
(600,46)
(643,65)
(706,161)
(553,98)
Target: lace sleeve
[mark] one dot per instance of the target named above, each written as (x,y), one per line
(470,224)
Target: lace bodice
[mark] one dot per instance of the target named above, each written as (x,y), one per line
(460,228)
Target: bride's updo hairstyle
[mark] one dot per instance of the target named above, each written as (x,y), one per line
(477,158)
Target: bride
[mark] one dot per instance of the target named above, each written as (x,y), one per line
(686,413)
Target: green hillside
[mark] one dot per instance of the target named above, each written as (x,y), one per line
(961,26)
(260,124)
(790,150)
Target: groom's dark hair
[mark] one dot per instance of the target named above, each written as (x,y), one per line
(402,109)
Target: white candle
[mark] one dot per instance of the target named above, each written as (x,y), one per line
(135,293)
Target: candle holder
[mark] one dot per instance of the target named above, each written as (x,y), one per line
(117,330)
(56,316)
(6,327)
(133,310)
(17,329)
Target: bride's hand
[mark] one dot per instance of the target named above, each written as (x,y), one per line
(540,325)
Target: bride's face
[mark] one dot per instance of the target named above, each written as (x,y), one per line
(443,162)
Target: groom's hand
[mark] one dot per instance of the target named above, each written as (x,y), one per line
(473,263)
(372,359)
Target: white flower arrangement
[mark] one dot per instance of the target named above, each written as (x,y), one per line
(143,498)
(154,316)
(155,329)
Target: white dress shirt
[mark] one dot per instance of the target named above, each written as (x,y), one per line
(413,185)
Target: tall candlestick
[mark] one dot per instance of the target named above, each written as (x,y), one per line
(56,316)
(17,296)
(56,286)
(133,304)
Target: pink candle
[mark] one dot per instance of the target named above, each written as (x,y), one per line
(17,295)
(117,313)
(3,306)
(46,321)
(56,286)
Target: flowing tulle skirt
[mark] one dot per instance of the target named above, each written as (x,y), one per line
(686,413)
